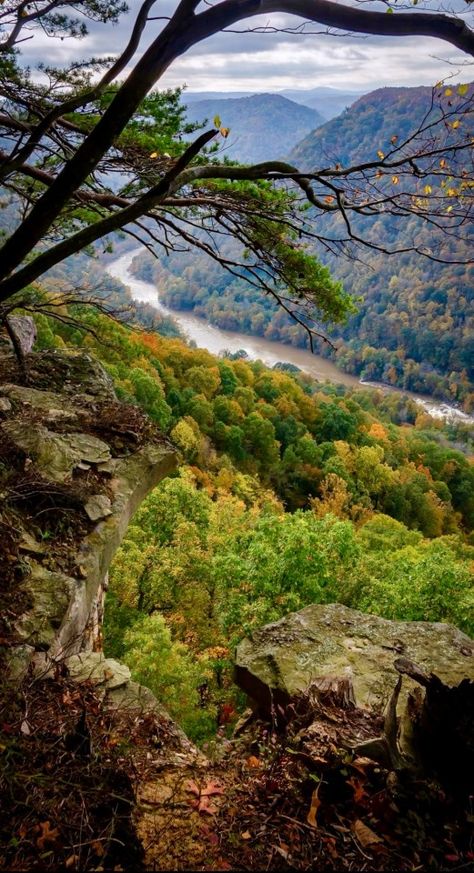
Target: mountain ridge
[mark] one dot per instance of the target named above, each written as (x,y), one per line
(262,126)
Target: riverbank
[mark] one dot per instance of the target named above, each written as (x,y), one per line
(271,352)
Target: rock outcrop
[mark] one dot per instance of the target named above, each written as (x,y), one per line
(77,451)
(333,642)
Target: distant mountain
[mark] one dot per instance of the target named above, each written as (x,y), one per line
(330,102)
(415,324)
(262,127)
(327,101)
(367,126)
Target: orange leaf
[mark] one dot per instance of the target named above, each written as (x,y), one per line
(328,199)
(98,848)
(359,793)
(313,810)
(48,835)
(254,762)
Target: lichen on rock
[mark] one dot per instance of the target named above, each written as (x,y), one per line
(282,659)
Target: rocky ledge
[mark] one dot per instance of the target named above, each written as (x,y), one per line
(74,466)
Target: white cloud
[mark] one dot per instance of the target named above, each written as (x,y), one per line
(256,62)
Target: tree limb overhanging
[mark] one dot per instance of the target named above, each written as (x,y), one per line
(70,138)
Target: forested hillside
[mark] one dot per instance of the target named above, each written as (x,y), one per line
(262,127)
(289,493)
(415,322)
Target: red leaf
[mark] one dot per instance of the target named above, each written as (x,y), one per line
(211,788)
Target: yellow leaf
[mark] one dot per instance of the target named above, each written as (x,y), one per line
(427,189)
(224,131)
(380,154)
(217,121)
(462,90)
(455,124)
(449,209)
(395,180)
(448,92)
(452,192)
(442,163)
(154,155)
(313,809)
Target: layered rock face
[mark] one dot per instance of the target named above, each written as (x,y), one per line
(83,458)
(333,642)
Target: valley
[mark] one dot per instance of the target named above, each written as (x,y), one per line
(215,340)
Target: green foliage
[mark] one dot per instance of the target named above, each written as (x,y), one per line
(168,669)
(375,515)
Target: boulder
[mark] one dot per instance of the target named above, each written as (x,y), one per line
(282,659)
(24,328)
(96,668)
(98,506)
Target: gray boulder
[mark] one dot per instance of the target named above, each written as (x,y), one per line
(24,328)
(282,659)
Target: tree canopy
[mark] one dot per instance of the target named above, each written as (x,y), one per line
(86,153)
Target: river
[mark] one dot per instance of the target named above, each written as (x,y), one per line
(207,336)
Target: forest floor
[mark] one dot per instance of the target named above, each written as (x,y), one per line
(86,788)
(296,798)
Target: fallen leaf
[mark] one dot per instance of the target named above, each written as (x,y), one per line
(71,861)
(313,810)
(211,788)
(246,835)
(48,835)
(357,786)
(361,764)
(205,805)
(254,762)
(364,834)
(98,848)
(191,786)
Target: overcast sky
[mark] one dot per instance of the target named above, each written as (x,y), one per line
(270,62)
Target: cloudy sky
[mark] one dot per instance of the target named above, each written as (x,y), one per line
(270,62)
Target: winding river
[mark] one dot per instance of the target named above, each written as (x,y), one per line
(207,336)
